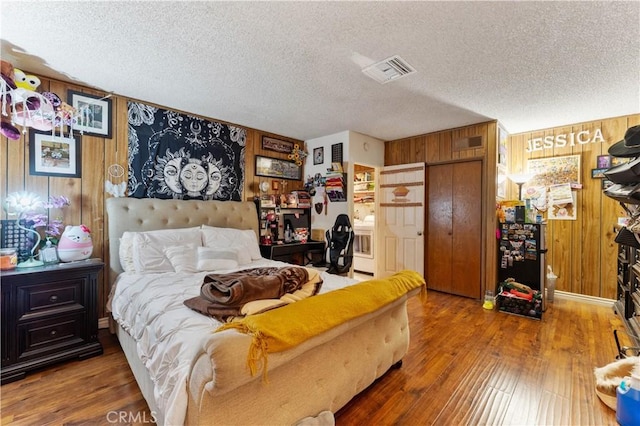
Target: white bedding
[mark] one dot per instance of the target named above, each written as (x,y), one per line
(169,335)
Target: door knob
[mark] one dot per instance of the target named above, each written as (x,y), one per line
(419,233)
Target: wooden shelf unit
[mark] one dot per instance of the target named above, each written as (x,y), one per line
(627,305)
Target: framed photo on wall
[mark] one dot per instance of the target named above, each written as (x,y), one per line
(604,162)
(93,113)
(598,173)
(277,168)
(318,155)
(54,155)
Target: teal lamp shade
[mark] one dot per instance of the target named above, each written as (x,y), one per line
(18,204)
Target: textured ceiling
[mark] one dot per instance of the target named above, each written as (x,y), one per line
(294,68)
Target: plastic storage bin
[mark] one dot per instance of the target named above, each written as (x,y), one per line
(628,400)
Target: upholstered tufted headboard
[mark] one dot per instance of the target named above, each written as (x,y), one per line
(148,214)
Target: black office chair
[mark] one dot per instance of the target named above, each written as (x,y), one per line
(340,246)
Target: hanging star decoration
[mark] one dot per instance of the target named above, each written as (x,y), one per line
(298,155)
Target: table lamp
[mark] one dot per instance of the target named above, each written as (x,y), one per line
(21,203)
(520,179)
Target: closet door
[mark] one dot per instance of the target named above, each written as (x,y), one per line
(439,227)
(454,222)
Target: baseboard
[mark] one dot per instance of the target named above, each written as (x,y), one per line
(594,300)
(103,322)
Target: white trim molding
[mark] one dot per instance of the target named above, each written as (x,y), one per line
(594,300)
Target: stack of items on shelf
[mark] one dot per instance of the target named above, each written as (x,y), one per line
(626,190)
(302,199)
(334,186)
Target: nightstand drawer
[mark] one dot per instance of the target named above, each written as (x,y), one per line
(36,338)
(63,295)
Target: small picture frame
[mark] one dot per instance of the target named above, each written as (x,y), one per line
(598,173)
(54,155)
(93,114)
(604,162)
(318,155)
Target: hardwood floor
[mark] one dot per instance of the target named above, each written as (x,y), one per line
(465,366)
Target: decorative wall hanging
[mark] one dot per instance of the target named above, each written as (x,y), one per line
(115,184)
(297,155)
(94,117)
(174,155)
(54,155)
(277,168)
(277,145)
(336,153)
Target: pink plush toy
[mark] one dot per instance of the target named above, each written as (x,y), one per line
(75,244)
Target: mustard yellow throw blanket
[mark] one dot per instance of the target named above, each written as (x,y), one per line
(283,328)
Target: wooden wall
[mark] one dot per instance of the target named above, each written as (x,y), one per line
(582,252)
(87,193)
(439,148)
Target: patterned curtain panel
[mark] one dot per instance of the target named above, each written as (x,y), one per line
(173,155)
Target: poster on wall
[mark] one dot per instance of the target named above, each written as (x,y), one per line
(554,170)
(175,155)
(562,203)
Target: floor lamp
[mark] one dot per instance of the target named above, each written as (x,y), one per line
(21,203)
(520,179)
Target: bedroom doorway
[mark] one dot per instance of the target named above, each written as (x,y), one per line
(401,219)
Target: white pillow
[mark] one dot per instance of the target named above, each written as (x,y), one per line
(245,239)
(183,258)
(149,247)
(125,253)
(211,259)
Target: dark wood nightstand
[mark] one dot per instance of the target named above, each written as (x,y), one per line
(49,314)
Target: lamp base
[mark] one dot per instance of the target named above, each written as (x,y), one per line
(31,263)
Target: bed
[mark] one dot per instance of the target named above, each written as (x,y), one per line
(190,373)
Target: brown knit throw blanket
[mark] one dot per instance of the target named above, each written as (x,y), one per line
(224,295)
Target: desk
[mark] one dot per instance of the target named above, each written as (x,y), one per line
(298,253)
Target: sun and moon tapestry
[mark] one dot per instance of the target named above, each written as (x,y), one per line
(179,156)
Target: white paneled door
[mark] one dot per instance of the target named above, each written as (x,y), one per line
(400,223)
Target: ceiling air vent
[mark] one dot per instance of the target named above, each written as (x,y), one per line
(390,69)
